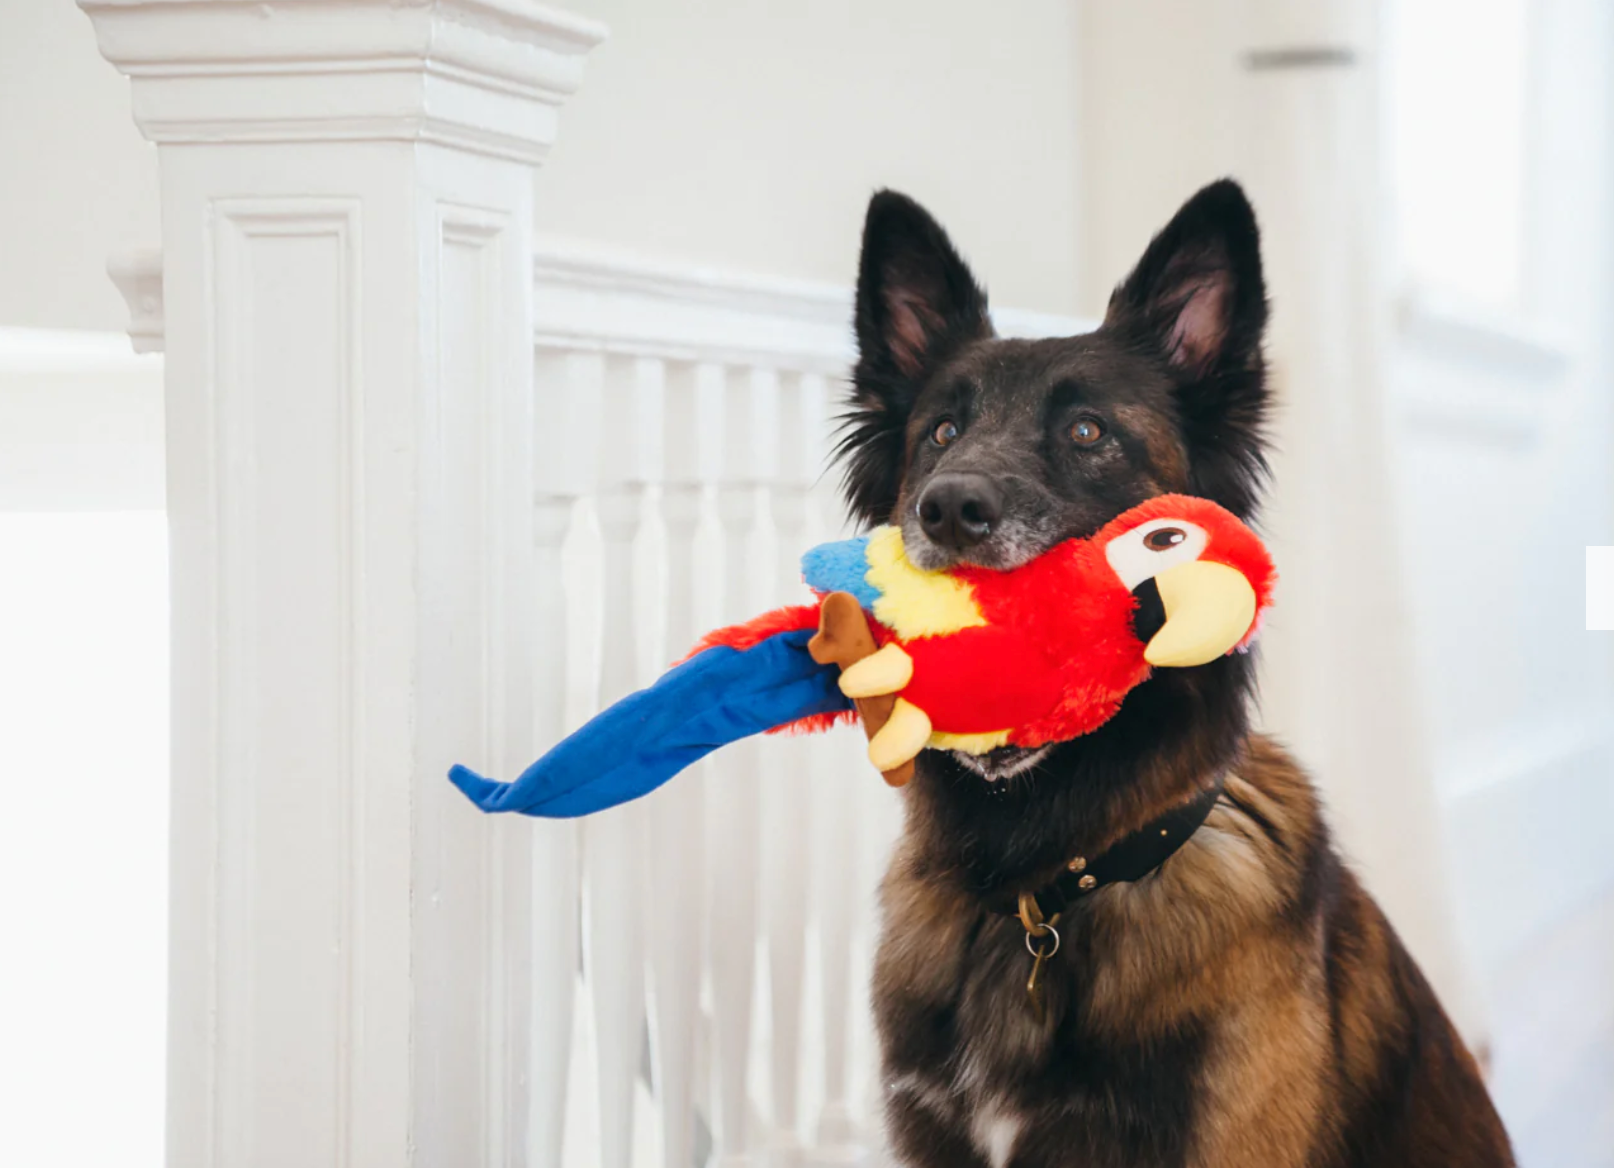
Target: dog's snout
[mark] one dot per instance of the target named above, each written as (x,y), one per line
(958,511)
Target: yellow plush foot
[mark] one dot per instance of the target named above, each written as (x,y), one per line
(885,671)
(901,738)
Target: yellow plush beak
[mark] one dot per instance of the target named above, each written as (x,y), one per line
(1209,607)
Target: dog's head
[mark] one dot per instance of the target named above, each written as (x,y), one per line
(990,451)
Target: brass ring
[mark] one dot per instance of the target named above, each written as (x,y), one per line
(1034,951)
(1031,914)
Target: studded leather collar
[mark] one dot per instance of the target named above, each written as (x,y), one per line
(1128,859)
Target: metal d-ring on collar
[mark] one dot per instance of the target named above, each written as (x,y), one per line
(1131,858)
(1031,938)
(1037,926)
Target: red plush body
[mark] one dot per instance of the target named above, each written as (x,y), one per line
(1058,651)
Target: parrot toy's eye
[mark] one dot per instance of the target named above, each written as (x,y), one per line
(1146,551)
(1086,431)
(946,430)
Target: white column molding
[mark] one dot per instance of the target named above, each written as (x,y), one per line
(347,231)
(138,274)
(481,76)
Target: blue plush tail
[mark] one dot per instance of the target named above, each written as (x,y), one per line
(718,696)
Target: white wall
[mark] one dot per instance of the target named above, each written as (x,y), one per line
(81,423)
(83,843)
(737,134)
(83,709)
(748,134)
(1157,123)
(77,178)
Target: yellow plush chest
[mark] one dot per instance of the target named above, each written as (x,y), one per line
(912,602)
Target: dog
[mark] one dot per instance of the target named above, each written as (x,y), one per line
(1242,1001)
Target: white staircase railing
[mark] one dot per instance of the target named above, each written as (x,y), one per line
(743,959)
(698,959)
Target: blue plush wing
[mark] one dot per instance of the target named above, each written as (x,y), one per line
(718,696)
(841,566)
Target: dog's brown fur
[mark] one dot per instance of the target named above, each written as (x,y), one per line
(1245,1005)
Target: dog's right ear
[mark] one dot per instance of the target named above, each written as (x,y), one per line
(916,303)
(1197,300)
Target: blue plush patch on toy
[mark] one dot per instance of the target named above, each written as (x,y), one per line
(718,696)
(841,566)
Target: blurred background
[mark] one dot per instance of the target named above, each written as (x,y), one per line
(1435,181)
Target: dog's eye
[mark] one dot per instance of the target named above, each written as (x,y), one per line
(944,432)
(1086,431)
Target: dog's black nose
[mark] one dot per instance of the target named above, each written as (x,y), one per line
(958,511)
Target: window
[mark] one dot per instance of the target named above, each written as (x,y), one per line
(1458,77)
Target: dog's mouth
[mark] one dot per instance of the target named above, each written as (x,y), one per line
(1000,552)
(1018,537)
(1004,762)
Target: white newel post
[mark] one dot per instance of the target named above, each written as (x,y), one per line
(347,230)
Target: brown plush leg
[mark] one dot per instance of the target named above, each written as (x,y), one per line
(844,639)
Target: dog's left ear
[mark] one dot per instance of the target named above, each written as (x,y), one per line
(916,304)
(1198,300)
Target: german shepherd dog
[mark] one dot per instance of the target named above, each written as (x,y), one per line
(1243,1004)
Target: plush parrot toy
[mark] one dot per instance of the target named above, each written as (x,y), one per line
(966,659)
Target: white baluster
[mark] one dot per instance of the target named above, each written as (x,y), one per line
(835,889)
(734,806)
(555,888)
(677,825)
(839,770)
(554,859)
(878,812)
(787,793)
(563,467)
(614,840)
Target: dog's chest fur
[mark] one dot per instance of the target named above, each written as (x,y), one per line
(1007,1083)
(1159,990)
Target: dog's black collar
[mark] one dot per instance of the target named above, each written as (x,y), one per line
(1130,858)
